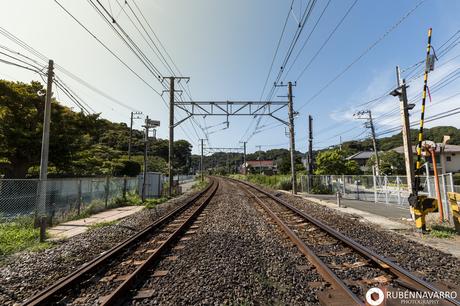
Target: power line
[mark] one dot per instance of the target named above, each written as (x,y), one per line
(304,19)
(20,60)
(276,50)
(126,39)
(30,49)
(327,39)
(308,37)
(305,16)
(154,49)
(107,48)
(20,66)
(367,50)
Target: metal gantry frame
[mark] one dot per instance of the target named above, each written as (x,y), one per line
(229,108)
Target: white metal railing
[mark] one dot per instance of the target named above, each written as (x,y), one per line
(392,190)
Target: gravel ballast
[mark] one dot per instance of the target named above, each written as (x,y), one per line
(26,273)
(429,263)
(235,257)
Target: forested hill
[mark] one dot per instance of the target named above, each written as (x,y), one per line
(435,134)
(230,161)
(80,145)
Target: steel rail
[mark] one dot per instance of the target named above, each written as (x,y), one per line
(45,296)
(117,296)
(343,292)
(408,279)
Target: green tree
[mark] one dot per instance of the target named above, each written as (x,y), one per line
(284,167)
(126,167)
(20,130)
(182,156)
(21,115)
(155,163)
(96,160)
(391,163)
(333,162)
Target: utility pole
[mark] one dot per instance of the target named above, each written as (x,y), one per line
(244,155)
(146,147)
(290,124)
(131,131)
(404,107)
(201,163)
(148,124)
(172,124)
(292,138)
(370,124)
(45,152)
(374,143)
(310,149)
(260,161)
(171,135)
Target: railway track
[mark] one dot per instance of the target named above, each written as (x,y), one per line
(111,278)
(349,268)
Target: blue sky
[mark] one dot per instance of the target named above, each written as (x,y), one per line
(226,47)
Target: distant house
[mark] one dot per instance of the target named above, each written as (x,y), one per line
(447,161)
(361,158)
(259,166)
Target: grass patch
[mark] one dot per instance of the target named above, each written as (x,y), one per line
(102,224)
(151,203)
(19,234)
(442,231)
(280,181)
(199,185)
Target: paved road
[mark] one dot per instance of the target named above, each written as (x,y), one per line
(76,227)
(390,211)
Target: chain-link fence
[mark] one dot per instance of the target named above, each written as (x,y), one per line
(180,178)
(379,189)
(64,199)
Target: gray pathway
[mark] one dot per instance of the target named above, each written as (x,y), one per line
(390,211)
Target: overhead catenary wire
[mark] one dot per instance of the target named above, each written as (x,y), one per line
(327,39)
(107,48)
(303,20)
(305,17)
(126,39)
(361,55)
(308,37)
(276,51)
(433,88)
(42,64)
(154,48)
(116,56)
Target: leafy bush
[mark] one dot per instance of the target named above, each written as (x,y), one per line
(320,190)
(285,184)
(456,178)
